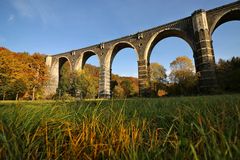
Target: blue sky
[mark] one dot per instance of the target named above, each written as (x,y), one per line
(56,26)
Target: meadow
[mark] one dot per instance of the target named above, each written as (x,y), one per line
(204,127)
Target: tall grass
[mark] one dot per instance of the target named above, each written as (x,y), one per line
(168,128)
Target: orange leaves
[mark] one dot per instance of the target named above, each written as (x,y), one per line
(20,72)
(182,63)
(182,68)
(157,72)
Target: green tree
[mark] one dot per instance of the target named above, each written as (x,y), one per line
(228,73)
(93,73)
(118,92)
(127,88)
(83,85)
(64,85)
(157,78)
(19,88)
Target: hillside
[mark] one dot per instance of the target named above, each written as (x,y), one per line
(121,86)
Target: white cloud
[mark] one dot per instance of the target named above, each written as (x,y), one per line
(11,18)
(24,7)
(39,9)
(45,12)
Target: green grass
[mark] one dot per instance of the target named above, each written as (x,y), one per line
(206,127)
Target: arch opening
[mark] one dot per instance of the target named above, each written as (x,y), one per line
(171,66)
(226,47)
(124,71)
(233,15)
(64,79)
(85,79)
(91,68)
(166,34)
(90,57)
(116,49)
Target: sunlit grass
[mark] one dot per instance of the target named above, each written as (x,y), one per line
(169,128)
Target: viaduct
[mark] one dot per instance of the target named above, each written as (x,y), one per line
(196,30)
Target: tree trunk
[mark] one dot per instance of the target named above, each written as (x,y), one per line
(33,94)
(17,96)
(4,95)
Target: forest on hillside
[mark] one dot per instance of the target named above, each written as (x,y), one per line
(25,76)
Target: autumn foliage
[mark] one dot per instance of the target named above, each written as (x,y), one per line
(84,84)
(182,79)
(22,76)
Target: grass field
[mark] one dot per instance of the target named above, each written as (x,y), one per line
(206,127)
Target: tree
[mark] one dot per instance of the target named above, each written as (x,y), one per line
(181,68)
(19,88)
(83,85)
(35,73)
(20,73)
(6,72)
(93,74)
(157,72)
(228,73)
(40,74)
(127,88)
(64,80)
(12,74)
(183,76)
(157,78)
(118,92)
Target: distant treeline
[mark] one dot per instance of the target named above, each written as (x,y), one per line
(228,74)
(183,80)
(24,76)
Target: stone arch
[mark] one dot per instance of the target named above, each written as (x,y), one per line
(81,61)
(157,37)
(61,61)
(55,68)
(115,49)
(227,16)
